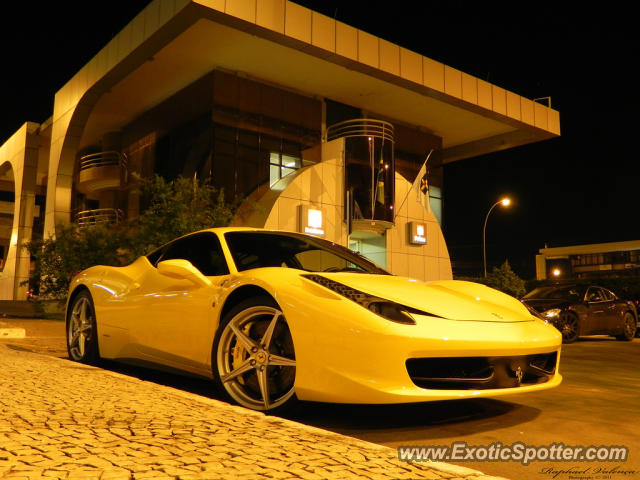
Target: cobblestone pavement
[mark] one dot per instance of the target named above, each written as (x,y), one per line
(60,419)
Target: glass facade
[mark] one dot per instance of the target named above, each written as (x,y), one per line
(625,262)
(370,177)
(236,133)
(369,168)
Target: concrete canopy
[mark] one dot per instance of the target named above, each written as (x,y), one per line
(172,43)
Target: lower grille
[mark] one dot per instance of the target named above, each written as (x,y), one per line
(481,373)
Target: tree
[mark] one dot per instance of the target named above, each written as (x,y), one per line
(176,208)
(71,251)
(172,209)
(504,279)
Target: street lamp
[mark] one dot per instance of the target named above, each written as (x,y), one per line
(505,202)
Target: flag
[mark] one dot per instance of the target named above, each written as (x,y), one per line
(421,185)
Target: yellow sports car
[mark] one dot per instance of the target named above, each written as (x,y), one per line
(274,317)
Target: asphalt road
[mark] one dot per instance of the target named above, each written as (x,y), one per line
(597,404)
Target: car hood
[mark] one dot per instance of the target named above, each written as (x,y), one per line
(543,304)
(452,299)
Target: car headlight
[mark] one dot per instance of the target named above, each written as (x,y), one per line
(392,311)
(535,313)
(384,308)
(552,313)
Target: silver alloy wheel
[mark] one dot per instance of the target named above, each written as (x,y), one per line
(256,360)
(80,329)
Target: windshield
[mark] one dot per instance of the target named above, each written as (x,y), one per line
(269,249)
(557,293)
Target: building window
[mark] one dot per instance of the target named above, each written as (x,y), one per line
(435,201)
(281,165)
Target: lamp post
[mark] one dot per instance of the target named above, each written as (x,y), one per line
(505,202)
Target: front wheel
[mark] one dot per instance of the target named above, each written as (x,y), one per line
(254,356)
(569,326)
(82,336)
(629,327)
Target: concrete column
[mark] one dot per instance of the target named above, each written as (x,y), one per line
(25,216)
(23,257)
(60,178)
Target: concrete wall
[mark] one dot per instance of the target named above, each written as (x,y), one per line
(21,152)
(321,185)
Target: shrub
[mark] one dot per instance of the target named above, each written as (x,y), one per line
(176,208)
(504,279)
(172,209)
(501,278)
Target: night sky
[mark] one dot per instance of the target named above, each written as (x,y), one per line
(579,188)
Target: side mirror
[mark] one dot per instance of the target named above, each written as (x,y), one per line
(183,269)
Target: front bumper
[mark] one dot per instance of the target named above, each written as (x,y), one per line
(365,360)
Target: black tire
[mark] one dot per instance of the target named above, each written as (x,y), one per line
(629,327)
(253,357)
(569,326)
(81,331)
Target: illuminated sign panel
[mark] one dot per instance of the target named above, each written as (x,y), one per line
(311,220)
(417,233)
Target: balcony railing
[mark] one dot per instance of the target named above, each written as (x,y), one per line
(361,127)
(100,216)
(103,159)
(102,171)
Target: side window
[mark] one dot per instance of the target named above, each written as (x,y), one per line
(323,261)
(594,294)
(606,294)
(154,256)
(203,250)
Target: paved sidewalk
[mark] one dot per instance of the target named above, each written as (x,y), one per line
(60,419)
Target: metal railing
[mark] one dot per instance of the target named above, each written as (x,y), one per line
(360,127)
(100,216)
(110,158)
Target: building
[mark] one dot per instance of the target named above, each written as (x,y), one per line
(274,102)
(589,261)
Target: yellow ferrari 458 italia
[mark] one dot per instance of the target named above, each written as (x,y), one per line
(274,317)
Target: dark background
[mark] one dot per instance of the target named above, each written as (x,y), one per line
(579,188)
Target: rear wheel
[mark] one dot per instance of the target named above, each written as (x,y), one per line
(569,326)
(629,327)
(254,356)
(82,337)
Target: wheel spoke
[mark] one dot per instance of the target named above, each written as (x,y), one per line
(268,334)
(281,361)
(84,328)
(264,386)
(83,313)
(242,337)
(81,344)
(245,367)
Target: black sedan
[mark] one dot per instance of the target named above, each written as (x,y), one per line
(578,310)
